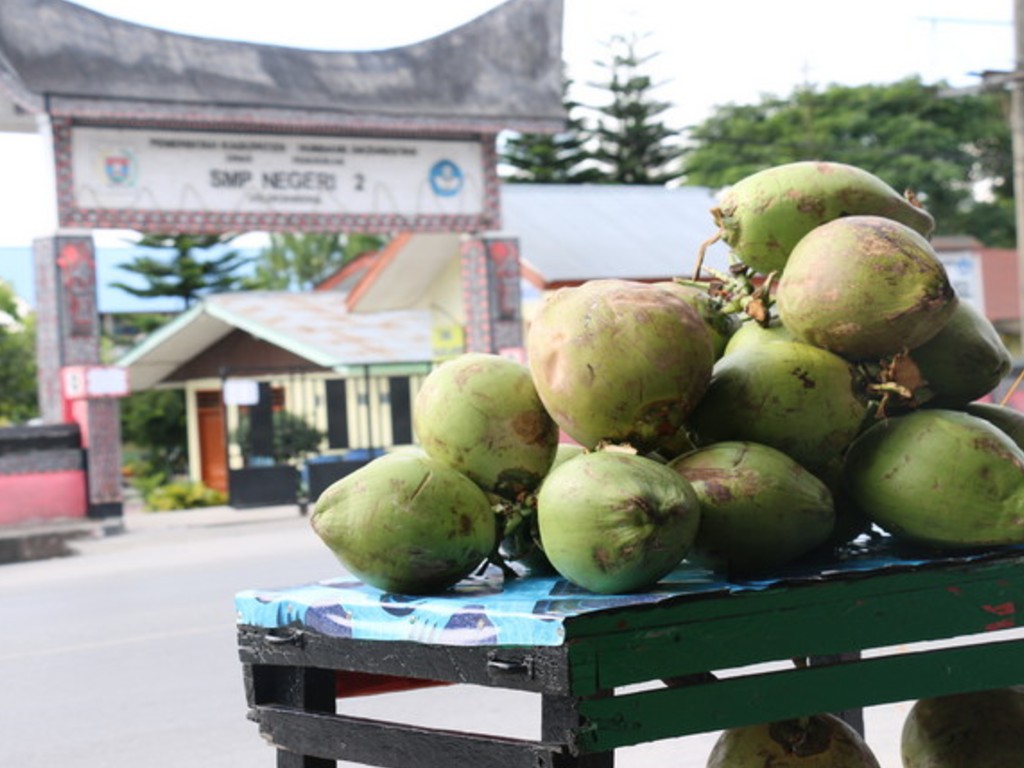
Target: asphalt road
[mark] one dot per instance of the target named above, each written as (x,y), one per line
(124,655)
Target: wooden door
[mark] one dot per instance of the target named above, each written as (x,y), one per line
(213,453)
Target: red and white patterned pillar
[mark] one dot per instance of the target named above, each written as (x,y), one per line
(68,334)
(491,295)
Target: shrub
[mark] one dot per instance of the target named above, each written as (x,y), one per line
(293,437)
(183,495)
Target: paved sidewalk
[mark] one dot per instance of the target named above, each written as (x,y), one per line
(42,539)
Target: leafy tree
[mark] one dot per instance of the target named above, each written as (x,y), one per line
(184,274)
(153,421)
(294,261)
(632,144)
(914,136)
(558,158)
(19,397)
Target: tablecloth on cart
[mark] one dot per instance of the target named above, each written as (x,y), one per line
(489,609)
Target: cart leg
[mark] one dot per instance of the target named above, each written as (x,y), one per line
(311,690)
(560,720)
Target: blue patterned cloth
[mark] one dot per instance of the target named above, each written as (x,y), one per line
(532,610)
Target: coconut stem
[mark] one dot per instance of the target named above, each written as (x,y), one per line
(702,250)
(1013,388)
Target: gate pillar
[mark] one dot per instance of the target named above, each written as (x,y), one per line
(68,334)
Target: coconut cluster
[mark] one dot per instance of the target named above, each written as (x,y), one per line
(824,388)
(857,358)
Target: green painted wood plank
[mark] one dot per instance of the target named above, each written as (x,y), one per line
(758,628)
(669,712)
(864,584)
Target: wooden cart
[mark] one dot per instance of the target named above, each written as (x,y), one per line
(702,643)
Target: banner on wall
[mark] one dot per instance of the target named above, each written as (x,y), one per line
(121,176)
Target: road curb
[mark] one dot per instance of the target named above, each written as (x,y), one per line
(42,541)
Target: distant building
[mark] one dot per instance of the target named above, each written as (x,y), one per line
(350,356)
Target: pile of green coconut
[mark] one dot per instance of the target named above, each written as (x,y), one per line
(823,388)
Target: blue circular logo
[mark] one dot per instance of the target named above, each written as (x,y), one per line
(446,178)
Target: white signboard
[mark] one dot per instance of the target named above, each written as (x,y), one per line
(241,392)
(144,170)
(94,381)
(964,270)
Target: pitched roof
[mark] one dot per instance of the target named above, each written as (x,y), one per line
(500,70)
(314,326)
(574,232)
(568,233)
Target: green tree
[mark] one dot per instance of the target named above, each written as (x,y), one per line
(945,147)
(552,158)
(19,398)
(632,144)
(156,445)
(294,261)
(153,423)
(184,274)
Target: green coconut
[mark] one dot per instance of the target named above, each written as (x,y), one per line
(752,333)
(818,741)
(406,523)
(520,543)
(851,521)
(864,287)
(763,216)
(613,522)
(802,400)
(965,360)
(760,510)
(940,478)
(566,451)
(1009,420)
(984,729)
(480,414)
(722,325)
(616,361)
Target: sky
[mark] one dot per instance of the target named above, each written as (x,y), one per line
(707,53)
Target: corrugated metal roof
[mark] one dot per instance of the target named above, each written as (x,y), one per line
(315,326)
(574,232)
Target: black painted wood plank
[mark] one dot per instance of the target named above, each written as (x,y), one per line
(394,745)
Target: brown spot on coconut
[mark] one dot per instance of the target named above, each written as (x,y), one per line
(759,509)
(943,479)
(616,361)
(818,741)
(612,521)
(864,287)
(480,414)
(763,216)
(406,523)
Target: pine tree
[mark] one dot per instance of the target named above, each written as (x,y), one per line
(183,274)
(633,146)
(559,158)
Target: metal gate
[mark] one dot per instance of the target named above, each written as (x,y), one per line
(291,433)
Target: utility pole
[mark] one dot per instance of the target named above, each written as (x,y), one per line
(1017,132)
(1014,81)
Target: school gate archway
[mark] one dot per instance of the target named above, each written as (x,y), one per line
(161,132)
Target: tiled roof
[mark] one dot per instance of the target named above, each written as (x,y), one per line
(314,326)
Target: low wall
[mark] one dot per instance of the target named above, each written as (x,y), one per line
(42,473)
